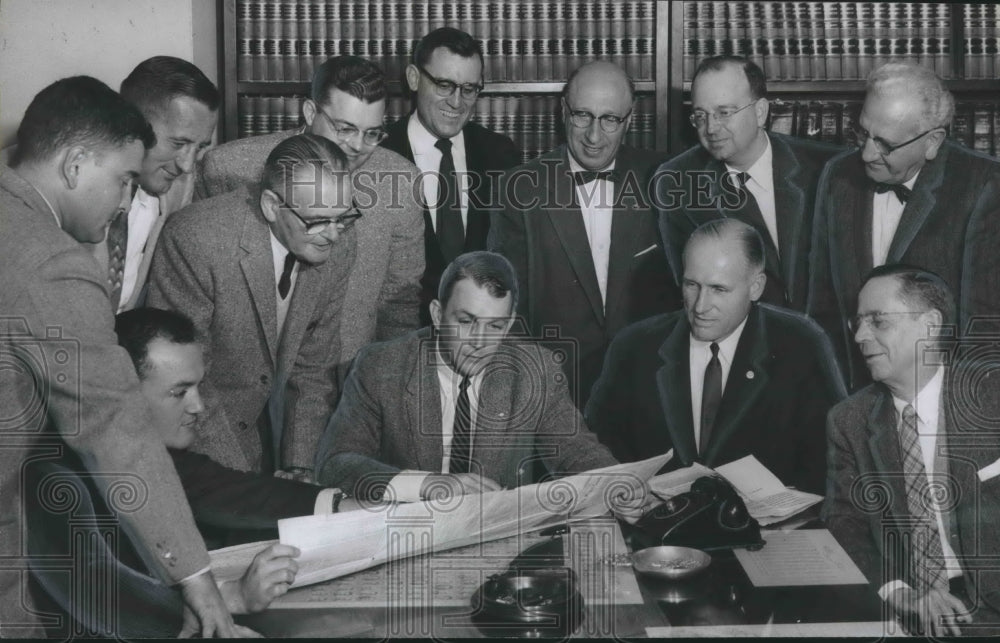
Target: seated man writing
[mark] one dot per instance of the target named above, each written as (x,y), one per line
(459,407)
(170,366)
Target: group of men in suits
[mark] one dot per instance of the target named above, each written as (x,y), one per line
(310,259)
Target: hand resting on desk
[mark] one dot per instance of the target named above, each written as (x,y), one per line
(935,613)
(268,577)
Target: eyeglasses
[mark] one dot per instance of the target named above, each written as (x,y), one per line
(722,116)
(884,148)
(444,87)
(610,123)
(346,131)
(316,226)
(877,320)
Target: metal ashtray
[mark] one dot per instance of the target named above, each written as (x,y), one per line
(670,562)
(535,596)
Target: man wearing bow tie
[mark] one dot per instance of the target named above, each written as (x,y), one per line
(906,195)
(724,378)
(578,227)
(741,170)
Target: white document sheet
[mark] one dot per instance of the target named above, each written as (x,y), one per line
(767,499)
(868,629)
(800,557)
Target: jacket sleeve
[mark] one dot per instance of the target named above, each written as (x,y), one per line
(608,411)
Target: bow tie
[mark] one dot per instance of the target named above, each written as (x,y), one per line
(901,191)
(586,176)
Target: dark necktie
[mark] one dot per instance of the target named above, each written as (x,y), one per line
(711,397)
(461,432)
(739,179)
(901,191)
(117,246)
(586,176)
(450,231)
(285,283)
(925,544)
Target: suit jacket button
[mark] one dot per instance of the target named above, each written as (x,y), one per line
(243,426)
(264,379)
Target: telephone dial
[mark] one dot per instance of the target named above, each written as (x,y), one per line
(711,516)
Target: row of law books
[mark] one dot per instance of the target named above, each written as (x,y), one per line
(820,40)
(981,50)
(522,40)
(533,121)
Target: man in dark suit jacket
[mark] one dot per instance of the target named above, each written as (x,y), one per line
(446,76)
(263,275)
(777,194)
(578,227)
(912,489)
(66,383)
(766,394)
(457,406)
(907,195)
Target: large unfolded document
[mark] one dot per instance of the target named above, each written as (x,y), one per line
(767,500)
(338,544)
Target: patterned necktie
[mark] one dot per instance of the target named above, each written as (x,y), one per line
(450,231)
(285,283)
(902,192)
(925,544)
(711,397)
(117,246)
(461,432)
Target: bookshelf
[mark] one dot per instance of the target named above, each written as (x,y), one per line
(814,54)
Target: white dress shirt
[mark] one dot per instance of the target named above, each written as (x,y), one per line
(927,406)
(596,200)
(141,217)
(428,159)
(699,354)
(887,210)
(761,186)
(278,254)
(405,485)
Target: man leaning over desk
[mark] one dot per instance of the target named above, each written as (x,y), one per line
(459,407)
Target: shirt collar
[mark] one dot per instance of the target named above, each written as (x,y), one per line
(727,347)
(278,249)
(422,141)
(928,400)
(576,167)
(47,202)
(762,171)
(144,198)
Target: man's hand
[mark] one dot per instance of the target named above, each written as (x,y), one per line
(301,474)
(630,499)
(205,613)
(269,576)
(936,613)
(437,486)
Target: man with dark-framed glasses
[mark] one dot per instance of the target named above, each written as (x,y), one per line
(459,159)
(577,225)
(906,194)
(741,170)
(264,273)
(347,106)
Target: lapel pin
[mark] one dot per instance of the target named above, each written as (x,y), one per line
(750,375)
(503,415)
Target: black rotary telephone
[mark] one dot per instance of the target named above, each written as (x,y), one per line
(710,516)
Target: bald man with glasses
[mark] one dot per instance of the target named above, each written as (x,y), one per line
(577,225)
(907,194)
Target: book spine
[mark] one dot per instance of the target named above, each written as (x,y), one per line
(244,27)
(691,39)
(288,47)
(942,62)
(781,117)
(832,17)
(293,110)
(852,45)
(245,116)
(260,120)
(982,139)
(816,47)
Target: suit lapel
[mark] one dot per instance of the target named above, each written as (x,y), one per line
(747,381)
(883,443)
(496,403)
(568,224)
(919,207)
(308,283)
(673,381)
(860,237)
(749,213)
(790,204)
(257,265)
(478,222)
(423,406)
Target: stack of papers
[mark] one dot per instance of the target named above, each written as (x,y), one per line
(767,500)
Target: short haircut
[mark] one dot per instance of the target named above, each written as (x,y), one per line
(919,288)
(750,240)
(573,74)
(456,41)
(295,152)
(78,111)
(754,74)
(488,270)
(158,80)
(137,328)
(358,77)
(922,85)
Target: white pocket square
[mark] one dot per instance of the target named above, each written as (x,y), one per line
(639,254)
(989,472)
